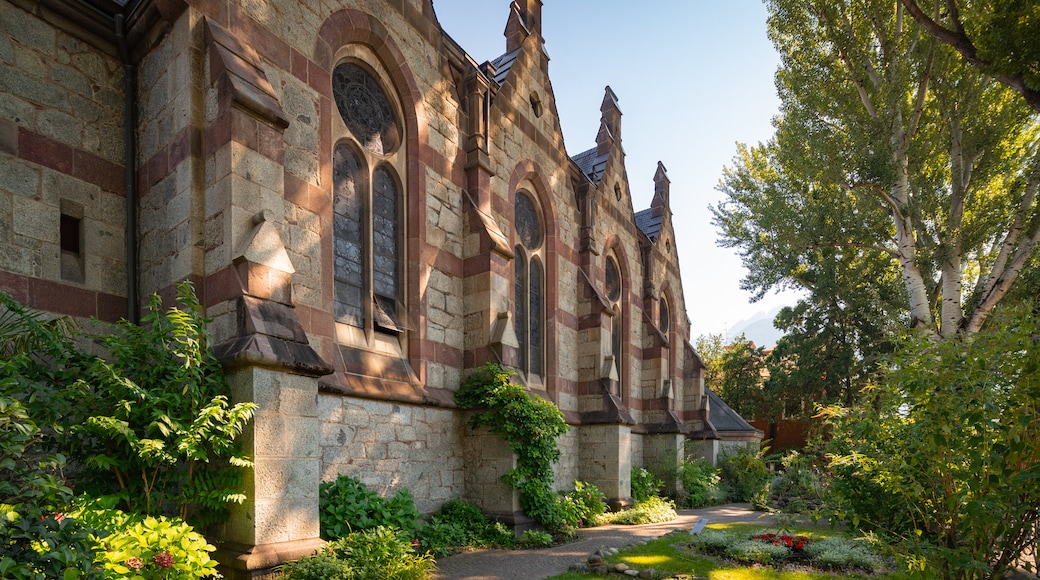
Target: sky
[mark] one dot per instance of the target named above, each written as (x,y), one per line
(693,78)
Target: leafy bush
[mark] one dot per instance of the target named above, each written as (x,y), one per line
(163,426)
(582,505)
(744,473)
(530,425)
(653,510)
(317,567)
(345,505)
(714,541)
(700,481)
(459,524)
(798,488)
(644,484)
(536,539)
(36,539)
(135,547)
(842,553)
(949,441)
(380,553)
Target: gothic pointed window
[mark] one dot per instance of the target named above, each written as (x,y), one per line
(612,285)
(529,287)
(368,168)
(664,321)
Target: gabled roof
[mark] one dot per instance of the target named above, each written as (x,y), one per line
(724,418)
(650,224)
(591,165)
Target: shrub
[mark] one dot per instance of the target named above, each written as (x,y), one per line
(459,524)
(644,484)
(135,547)
(945,451)
(536,539)
(798,488)
(745,473)
(582,505)
(653,510)
(345,505)
(714,541)
(757,552)
(530,425)
(380,553)
(36,539)
(317,567)
(842,553)
(700,481)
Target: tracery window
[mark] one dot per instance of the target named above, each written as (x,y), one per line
(613,290)
(368,201)
(529,287)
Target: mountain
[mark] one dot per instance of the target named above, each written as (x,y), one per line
(758,328)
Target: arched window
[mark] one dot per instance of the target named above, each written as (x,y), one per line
(664,319)
(612,285)
(529,287)
(368,201)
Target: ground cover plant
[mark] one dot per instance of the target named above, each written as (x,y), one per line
(459,525)
(380,553)
(652,510)
(671,556)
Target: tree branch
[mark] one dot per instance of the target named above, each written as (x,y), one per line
(959,40)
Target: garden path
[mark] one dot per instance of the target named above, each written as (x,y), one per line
(538,564)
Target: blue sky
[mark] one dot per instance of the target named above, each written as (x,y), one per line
(693,77)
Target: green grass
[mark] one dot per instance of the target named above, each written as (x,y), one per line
(667,560)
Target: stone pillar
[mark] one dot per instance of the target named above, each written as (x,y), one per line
(486,458)
(606,461)
(662,454)
(265,351)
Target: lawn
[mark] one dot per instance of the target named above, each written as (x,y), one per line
(667,556)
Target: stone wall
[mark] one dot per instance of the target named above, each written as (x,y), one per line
(61,154)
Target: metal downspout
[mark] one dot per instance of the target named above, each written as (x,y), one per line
(130,167)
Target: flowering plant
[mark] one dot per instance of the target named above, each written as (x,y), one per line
(796,543)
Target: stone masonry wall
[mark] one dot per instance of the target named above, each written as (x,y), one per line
(61,152)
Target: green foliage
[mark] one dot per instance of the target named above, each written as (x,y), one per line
(740,383)
(530,425)
(37,541)
(582,505)
(644,484)
(798,488)
(345,505)
(951,442)
(317,567)
(842,553)
(135,547)
(536,539)
(756,552)
(744,473)
(380,553)
(653,510)
(458,525)
(700,481)
(164,426)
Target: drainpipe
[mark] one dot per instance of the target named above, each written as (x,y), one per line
(130,167)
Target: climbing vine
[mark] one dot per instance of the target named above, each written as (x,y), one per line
(530,425)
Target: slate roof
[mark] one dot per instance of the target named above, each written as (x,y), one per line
(649,224)
(591,165)
(724,418)
(502,65)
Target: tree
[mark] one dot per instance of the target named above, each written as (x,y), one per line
(740,384)
(709,348)
(888,150)
(1000,37)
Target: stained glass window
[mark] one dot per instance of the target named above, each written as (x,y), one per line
(365,109)
(346,225)
(613,281)
(529,293)
(520,305)
(665,317)
(528,228)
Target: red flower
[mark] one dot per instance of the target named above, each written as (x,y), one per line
(415,543)
(134,563)
(163,559)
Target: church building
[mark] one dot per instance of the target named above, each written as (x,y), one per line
(367,212)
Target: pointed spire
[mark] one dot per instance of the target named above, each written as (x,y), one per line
(525,19)
(661,188)
(610,122)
